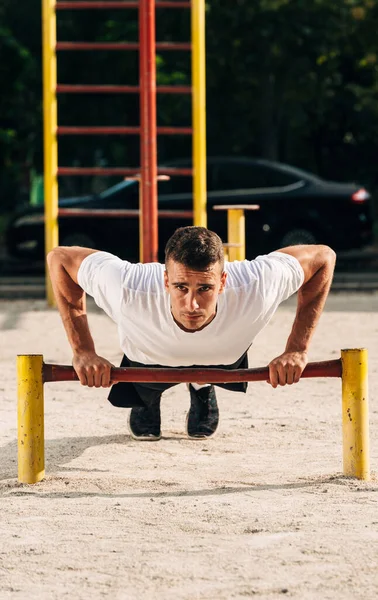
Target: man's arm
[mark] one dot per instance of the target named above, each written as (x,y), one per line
(318,263)
(64,263)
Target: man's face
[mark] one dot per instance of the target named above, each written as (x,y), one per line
(193,294)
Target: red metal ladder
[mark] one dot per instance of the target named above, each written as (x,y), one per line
(147,130)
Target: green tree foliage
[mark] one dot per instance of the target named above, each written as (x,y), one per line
(20,101)
(292,80)
(302,78)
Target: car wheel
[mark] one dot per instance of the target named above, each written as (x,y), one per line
(77,239)
(294,237)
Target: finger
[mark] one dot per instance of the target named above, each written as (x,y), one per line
(105,378)
(281,373)
(297,374)
(97,377)
(290,372)
(273,377)
(82,376)
(90,378)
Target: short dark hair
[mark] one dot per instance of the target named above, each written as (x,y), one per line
(195,247)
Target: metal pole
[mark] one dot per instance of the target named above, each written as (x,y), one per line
(326,368)
(236,234)
(355,413)
(31,459)
(50,134)
(199,111)
(148,145)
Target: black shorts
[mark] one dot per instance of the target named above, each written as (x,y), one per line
(127,394)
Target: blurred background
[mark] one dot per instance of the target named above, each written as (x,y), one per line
(291,81)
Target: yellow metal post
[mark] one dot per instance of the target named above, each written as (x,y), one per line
(355,409)
(235,247)
(31,459)
(199,111)
(50,133)
(236,234)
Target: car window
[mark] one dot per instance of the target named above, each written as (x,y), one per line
(238,176)
(277,178)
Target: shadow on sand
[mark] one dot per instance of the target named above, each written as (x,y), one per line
(63,450)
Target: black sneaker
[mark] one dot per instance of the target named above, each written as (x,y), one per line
(203,417)
(144,422)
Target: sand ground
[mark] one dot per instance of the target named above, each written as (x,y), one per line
(262,510)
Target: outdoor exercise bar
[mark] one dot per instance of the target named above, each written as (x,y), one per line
(352,368)
(330,368)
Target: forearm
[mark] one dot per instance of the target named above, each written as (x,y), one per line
(70,299)
(311,300)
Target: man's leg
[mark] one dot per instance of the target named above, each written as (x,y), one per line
(144,421)
(144,401)
(203,417)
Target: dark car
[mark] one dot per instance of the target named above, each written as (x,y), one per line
(295,207)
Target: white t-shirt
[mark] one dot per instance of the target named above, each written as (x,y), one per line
(134,296)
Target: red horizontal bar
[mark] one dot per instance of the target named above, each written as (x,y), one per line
(97,46)
(114,4)
(98,130)
(92,4)
(120,130)
(120,212)
(170,4)
(65,88)
(119,171)
(174,130)
(330,368)
(119,46)
(119,89)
